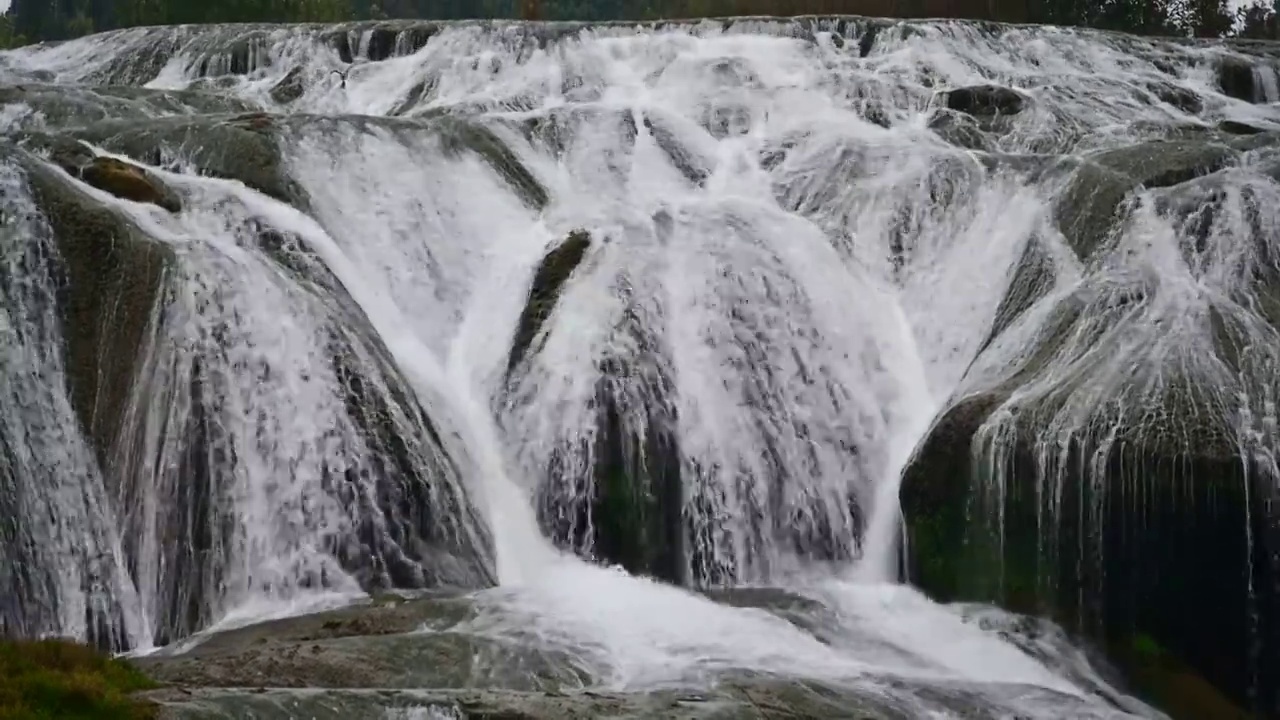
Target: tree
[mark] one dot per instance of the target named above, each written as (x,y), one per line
(1208,19)
(9,38)
(1258,21)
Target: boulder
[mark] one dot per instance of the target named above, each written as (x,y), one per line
(128,181)
(1235,127)
(290,88)
(553,272)
(1238,78)
(1093,203)
(238,147)
(985,100)
(1086,478)
(1182,98)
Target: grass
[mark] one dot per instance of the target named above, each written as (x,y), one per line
(63,680)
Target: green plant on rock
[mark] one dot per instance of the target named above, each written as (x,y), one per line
(63,680)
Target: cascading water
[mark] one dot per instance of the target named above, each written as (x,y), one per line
(744,267)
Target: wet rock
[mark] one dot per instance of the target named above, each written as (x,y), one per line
(635,517)
(960,130)
(1096,517)
(400,656)
(290,88)
(462,136)
(685,158)
(618,501)
(422,538)
(1182,98)
(381,44)
(1173,685)
(378,645)
(548,281)
(241,147)
(1235,127)
(112,277)
(128,181)
(1093,204)
(75,105)
(986,100)
(240,55)
(1236,79)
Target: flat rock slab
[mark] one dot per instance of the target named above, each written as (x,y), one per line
(727,704)
(390,643)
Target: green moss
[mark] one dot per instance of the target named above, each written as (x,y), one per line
(1145,647)
(1164,680)
(61,680)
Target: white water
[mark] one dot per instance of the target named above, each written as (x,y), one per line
(782,267)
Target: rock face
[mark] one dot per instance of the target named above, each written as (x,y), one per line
(1243,79)
(112,280)
(239,147)
(151,342)
(1093,203)
(632,517)
(1088,472)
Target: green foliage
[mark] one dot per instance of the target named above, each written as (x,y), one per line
(9,38)
(1259,21)
(62,680)
(60,19)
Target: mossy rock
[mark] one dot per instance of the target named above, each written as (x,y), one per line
(1171,685)
(553,272)
(76,106)
(638,509)
(64,680)
(1151,537)
(128,181)
(111,279)
(367,646)
(461,136)
(236,147)
(1092,205)
(1147,542)
(110,175)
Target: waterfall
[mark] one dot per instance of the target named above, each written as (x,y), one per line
(598,323)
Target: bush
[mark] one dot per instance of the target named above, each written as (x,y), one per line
(62,680)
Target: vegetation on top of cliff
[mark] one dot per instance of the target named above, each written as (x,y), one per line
(62,680)
(36,20)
